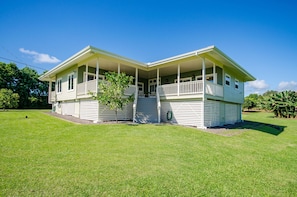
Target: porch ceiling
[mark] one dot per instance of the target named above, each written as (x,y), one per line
(186,66)
(112,66)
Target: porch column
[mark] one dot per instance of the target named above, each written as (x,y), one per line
(158,97)
(136,81)
(97,74)
(203,77)
(178,78)
(119,68)
(136,95)
(214,73)
(203,92)
(50,92)
(158,75)
(86,78)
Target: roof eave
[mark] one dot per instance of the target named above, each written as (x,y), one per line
(47,76)
(248,76)
(182,56)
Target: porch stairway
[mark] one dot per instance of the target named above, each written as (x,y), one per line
(146,110)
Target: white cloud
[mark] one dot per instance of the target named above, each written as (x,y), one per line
(256,87)
(287,85)
(40,57)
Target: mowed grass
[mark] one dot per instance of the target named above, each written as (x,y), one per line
(46,156)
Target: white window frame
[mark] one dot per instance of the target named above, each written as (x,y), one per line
(184,79)
(153,82)
(200,77)
(236,83)
(101,77)
(59,85)
(70,82)
(227,76)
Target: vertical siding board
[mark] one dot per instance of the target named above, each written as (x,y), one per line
(184,112)
(105,114)
(212,114)
(89,110)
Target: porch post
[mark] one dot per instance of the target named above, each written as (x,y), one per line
(203,92)
(97,74)
(86,77)
(49,92)
(214,73)
(158,73)
(178,78)
(136,80)
(158,98)
(136,95)
(203,78)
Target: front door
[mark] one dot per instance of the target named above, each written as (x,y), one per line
(140,89)
(153,86)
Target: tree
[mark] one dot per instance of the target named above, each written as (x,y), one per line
(32,91)
(283,104)
(112,91)
(8,99)
(9,75)
(251,101)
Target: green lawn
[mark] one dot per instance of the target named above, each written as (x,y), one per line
(45,156)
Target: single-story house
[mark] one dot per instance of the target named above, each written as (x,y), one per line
(202,88)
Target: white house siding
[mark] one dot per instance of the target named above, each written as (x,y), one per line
(212,114)
(66,94)
(68,108)
(105,114)
(232,113)
(89,110)
(231,94)
(184,112)
(76,109)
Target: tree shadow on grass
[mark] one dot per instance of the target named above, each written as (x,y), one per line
(259,126)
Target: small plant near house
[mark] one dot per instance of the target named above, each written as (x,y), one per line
(112,91)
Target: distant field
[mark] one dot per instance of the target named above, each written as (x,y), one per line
(46,156)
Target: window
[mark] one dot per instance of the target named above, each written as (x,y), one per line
(181,80)
(208,77)
(59,84)
(70,81)
(236,84)
(227,80)
(92,76)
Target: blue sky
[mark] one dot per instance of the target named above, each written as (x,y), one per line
(261,36)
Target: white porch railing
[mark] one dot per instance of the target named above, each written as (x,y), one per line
(85,87)
(214,89)
(131,90)
(90,86)
(52,96)
(192,87)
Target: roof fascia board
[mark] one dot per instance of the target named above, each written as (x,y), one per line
(66,62)
(117,57)
(181,57)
